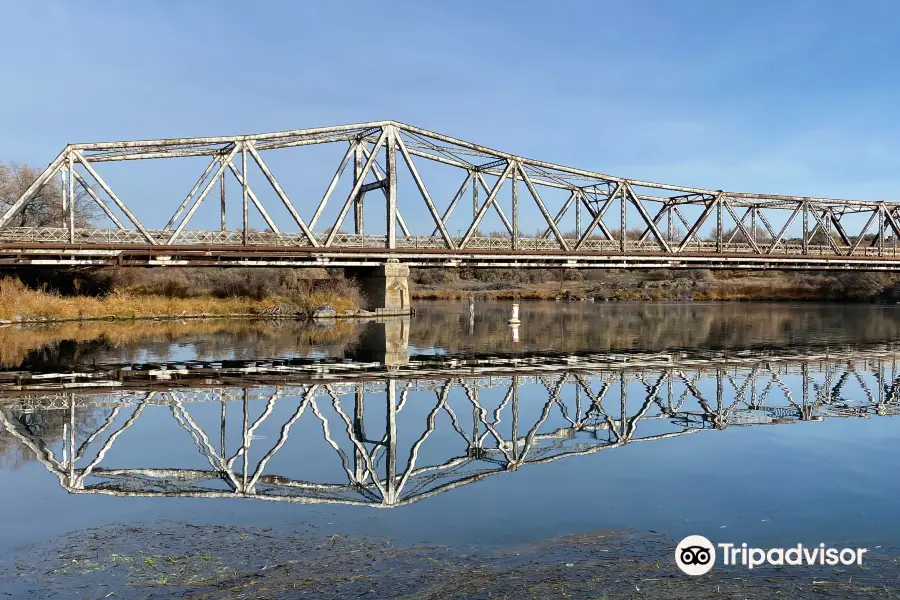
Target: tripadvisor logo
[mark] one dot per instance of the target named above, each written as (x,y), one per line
(695,555)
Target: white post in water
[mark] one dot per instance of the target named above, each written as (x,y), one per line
(514,322)
(514,319)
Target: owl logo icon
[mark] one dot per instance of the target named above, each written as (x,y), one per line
(695,555)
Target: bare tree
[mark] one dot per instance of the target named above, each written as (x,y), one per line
(45,208)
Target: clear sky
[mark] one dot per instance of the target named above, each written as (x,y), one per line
(794,97)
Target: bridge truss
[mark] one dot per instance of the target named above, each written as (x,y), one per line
(672,226)
(488,423)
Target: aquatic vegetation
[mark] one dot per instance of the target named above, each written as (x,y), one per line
(217,562)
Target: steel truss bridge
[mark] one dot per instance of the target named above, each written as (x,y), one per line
(376,426)
(680,227)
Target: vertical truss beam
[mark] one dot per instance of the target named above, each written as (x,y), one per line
(577,217)
(805,236)
(245,217)
(64,193)
(719,246)
(71,183)
(515,205)
(391,185)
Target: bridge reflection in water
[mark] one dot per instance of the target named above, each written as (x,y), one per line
(483,417)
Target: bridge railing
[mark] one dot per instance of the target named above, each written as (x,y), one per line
(127,237)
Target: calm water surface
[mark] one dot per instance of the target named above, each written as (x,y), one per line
(770,424)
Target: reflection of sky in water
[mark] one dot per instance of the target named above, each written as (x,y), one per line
(767,484)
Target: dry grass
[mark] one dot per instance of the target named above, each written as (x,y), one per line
(513,294)
(652,286)
(759,292)
(20,303)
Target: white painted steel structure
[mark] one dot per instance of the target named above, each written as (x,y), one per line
(743,230)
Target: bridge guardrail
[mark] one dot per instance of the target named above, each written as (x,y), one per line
(59,235)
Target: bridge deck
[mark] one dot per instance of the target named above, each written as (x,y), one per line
(94,247)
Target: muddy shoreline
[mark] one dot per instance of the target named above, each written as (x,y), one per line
(211,562)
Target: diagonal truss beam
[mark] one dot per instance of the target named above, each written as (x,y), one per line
(90,192)
(492,201)
(598,216)
(660,239)
(573,196)
(194,190)
(692,232)
(776,239)
(334,181)
(862,233)
(262,211)
(543,209)
(456,198)
(284,199)
(425,195)
(220,172)
(492,195)
(112,196)
(820,224)
(356,187)
(739,223)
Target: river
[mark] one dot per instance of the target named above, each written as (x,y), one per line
(450,454)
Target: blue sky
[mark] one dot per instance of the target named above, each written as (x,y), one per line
(767,96)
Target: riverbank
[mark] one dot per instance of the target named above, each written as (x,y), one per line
(656,285)
(20,304)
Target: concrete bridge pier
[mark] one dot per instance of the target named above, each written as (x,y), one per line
(385,286)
